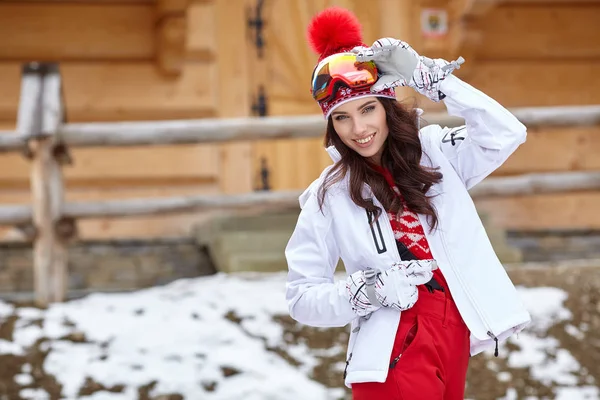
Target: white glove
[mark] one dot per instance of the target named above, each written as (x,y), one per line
(395,287)
(400,65)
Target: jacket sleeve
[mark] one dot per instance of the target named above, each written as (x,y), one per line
(490,134)
(312,255)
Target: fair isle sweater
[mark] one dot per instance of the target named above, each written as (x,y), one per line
(408,229)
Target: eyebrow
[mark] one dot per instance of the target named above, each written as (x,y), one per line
(358,109)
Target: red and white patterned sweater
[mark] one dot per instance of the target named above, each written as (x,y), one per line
(408,229)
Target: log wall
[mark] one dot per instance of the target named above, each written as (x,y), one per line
(172,59)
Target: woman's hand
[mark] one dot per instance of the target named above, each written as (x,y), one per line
(395,287)
(395,60)
(400,65)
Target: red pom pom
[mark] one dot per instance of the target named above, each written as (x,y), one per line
(332,29)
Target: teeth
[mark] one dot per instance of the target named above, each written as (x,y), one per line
(365,140)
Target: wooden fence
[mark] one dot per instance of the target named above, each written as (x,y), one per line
(44,138)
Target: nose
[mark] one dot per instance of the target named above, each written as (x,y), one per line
(360,127)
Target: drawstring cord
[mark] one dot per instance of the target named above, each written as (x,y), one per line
(452,65)
(490,334)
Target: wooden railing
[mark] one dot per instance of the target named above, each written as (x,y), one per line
(43,137)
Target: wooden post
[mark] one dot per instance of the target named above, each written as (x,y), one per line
(49,250)
(29,117)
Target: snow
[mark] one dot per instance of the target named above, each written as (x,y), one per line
(212,338)
(547,362)
(7,347)
(34,394)
(545,304)
(575,332)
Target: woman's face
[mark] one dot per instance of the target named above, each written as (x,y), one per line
(362,126)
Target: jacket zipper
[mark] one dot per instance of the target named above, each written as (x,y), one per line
(395,361)
(458,275)
(468,293)
(398,258)
(380,249)
(355,330)
(383,250)
(348,363)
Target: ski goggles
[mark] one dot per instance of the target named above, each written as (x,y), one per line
(341,69)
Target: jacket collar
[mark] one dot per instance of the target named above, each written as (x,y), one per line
(333,153)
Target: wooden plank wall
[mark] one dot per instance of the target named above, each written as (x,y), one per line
(132,60)
(293,164)
(165,59)
(522,53)
(543,54)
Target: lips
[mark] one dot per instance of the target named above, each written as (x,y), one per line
(365,141)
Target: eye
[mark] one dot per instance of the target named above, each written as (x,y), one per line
(368,109)
(340,117)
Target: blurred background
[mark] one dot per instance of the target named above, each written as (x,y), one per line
(151,153)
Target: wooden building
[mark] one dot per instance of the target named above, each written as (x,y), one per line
(125,60)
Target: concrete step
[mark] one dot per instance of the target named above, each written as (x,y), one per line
(260,222)
(257,242)
(248,243)
(261,251)
(557,245)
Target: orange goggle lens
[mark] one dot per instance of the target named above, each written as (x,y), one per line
(341,69)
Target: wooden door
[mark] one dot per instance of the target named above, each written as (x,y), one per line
(284,72)
(285,68)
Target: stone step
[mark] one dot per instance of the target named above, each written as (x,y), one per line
(556,245)
(248,243)
(252,241)
(254,262)
(250,251)
(257,242)
(260,222)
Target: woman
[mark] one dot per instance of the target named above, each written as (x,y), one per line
(424,288)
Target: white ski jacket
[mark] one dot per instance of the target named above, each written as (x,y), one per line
(486,298)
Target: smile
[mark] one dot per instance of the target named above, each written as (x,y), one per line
(365,140)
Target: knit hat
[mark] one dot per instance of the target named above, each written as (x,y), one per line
(337,30)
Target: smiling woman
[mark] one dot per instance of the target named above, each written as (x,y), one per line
(374,135)
(395,208)
(361,124)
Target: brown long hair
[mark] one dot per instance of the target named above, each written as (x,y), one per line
(401,156)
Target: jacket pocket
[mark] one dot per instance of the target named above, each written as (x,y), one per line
(376,232)
(408,342)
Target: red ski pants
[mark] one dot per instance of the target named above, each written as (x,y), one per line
(430,356)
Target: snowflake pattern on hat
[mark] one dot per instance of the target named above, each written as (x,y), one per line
(345,94)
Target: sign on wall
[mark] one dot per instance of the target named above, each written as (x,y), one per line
(434,22)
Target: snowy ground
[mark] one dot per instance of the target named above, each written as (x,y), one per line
(227,337)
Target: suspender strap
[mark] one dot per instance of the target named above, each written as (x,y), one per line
(370,279)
